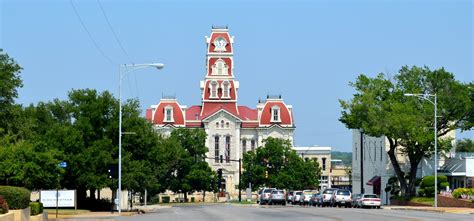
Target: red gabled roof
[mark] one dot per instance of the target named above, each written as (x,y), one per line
(210,108)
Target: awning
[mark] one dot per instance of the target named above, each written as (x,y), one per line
(374,181)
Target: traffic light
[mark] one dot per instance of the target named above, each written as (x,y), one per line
(266,174)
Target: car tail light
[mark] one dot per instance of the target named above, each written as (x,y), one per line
(324,196)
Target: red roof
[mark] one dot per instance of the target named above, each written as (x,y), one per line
(210,108)
(285,115)
(192,111)
(247,113)
(178,115)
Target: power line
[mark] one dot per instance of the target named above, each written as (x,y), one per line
(90,35)
(113,31)
(120,45)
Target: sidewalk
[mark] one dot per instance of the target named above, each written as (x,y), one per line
(455,210)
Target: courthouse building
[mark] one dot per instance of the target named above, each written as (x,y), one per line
(231,129)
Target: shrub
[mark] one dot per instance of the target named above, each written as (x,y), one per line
(457,193)
(98,204)
(165,199)
(155,199)
(36,208)
(421,192)
(17,197)
(427,185)
(3,205)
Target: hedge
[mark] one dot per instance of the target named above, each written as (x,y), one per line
(17,197)
(36,208)
(3,205)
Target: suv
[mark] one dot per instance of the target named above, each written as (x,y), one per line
(326,197)
(341,198)
(305,197)
(265,195)
(296,197)
(277,197)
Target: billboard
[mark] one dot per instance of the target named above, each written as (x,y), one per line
(66,198)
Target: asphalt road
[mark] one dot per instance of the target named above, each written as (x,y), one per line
(262,213)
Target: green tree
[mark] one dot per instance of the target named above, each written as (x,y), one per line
(465,145)
(379,108)
(10,81)
(192,150)
(277,165)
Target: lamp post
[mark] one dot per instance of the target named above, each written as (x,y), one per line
(123,71)
(435,103)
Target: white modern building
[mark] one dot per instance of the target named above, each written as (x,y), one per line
(370,154)
(231,129)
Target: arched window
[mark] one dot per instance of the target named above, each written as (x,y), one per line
(226,124)
(226,89)
(244,146)
(220,67)
(217,124)
(222,124)
(213,89)
(275,114)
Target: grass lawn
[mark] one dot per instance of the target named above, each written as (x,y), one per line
(424,200)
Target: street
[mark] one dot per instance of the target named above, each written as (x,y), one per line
(262,213)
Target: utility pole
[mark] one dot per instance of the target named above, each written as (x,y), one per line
(361,163)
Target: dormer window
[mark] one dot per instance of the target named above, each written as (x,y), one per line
(226,90)
(275,114)
(213,89)
(169,114)
(220,67)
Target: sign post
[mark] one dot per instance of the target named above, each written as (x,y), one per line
(62,164)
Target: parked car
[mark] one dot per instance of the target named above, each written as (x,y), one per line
(370,201)
(341,198)
(315,199)
(289,196)
(277,197)
(265,195)
(296,197)
(326,197)
(356,200)
(305,197)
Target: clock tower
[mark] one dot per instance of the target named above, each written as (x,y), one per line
(219,89)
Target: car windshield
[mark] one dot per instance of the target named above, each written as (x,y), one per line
(298,193)
(328,191)
(370,196)
(268,191)
(344,193)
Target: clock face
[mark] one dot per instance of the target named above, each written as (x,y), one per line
(220,44)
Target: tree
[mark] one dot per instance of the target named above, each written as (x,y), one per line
(277,165)
(379,108)
(188,166)
(10,82)
(465,145)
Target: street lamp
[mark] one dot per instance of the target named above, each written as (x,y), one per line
(435,103)
(124,70)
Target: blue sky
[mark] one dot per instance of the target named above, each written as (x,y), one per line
(308,51)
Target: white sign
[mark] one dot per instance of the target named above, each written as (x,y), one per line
(65,198)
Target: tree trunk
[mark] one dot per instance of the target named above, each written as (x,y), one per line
(185,196)
(92,193)
(396,166)
(203,196)
(411,189)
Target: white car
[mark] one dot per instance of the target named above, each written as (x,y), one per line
(370,200)
(306,197)
(296,197)
(326,197)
